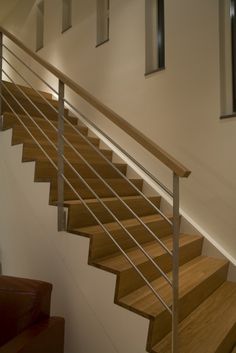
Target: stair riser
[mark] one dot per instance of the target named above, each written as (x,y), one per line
(44,171)
(161,326)
(102,246)
(140,207)
(30,109)
(229,342)
(9,121)
(14,90)
(20,136)
(85,151)
(100,190)
(130,280)
(35,153)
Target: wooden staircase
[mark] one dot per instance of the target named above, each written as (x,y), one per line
(207,300)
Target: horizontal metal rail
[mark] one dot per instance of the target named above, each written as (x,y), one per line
(97,149)
(95,172)
(95,194)
(90,211)
(149,145)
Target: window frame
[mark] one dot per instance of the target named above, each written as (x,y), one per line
(66,15)
(160,37)
(101,42)
(40,25)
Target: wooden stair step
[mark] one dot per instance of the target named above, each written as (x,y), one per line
(45,171)
(145,302)
(210,328)
(102,245)
(113,226)
(119,185)
(41,157)
(129,279)
(118,263)
(33,153)
(198,279)
(137,204)
(20,101)
(20,135)
(10,120)
(29,91)
(31,149)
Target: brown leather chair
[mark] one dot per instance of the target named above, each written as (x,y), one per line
(25,322)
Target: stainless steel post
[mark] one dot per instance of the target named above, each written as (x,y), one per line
(175,275)
(1,52)
(61,219)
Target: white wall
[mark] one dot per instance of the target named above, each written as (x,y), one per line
(31,247)
(179,108)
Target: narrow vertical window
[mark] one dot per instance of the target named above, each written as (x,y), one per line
(40,25)
(66,14)
(155,35)
(103,13)
(227,11)
(233,43)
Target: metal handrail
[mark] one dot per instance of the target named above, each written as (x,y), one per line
(94,193)
(158,182)
(98,175)
(91,212)
(138,136)
(99,152)
(177,168)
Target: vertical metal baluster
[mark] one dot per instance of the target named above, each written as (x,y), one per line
(176,229)
(1,53)
(61,219)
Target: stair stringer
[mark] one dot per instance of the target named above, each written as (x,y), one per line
(31,247)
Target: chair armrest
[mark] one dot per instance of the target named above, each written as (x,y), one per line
(46,336)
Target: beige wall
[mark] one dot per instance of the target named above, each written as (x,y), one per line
(179,108)
(31,247)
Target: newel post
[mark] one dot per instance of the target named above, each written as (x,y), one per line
(1,53)
(61,216)
(175,273)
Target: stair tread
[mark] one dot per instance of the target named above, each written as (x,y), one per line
(108,180)
(144,301)
(153,248)
(27,89)
(91,201)
(74,121)
(49,128)
(208,325)
(114,226)
(118,165)
(30,144)
(35,98)
(48,131)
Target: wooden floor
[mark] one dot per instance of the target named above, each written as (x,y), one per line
(207,300)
